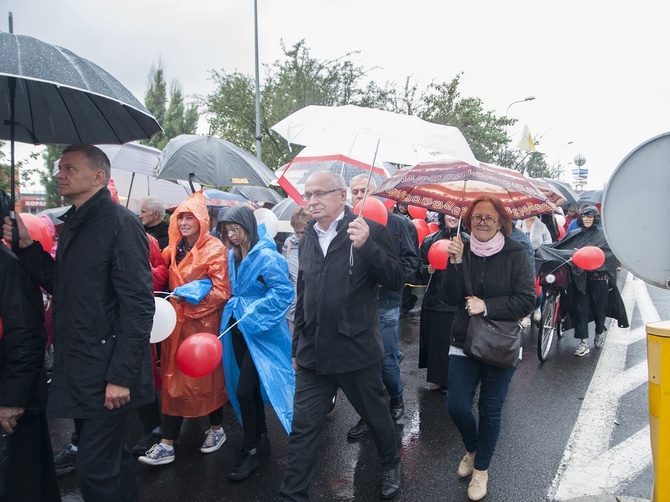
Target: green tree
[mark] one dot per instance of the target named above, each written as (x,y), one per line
(290,84)
(485,132)
(50,155)
(23,173)
(173,115)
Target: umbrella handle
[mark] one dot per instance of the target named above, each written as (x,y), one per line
(15,232)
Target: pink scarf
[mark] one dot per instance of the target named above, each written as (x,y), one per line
(488,248)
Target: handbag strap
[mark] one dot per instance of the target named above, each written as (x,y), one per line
(467,277)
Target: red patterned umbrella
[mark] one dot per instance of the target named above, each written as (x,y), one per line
(450,187)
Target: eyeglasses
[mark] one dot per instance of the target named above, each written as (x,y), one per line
(478,218)
(588,216)
(320,194)
(231,230)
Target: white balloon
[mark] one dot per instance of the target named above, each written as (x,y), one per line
(165,319)
(264,215)
(560,219)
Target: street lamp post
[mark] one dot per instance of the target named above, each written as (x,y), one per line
(258,97)
(559,154)
(527,98)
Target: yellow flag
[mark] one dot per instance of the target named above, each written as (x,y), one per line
(526,142)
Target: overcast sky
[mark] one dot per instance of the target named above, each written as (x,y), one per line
(599,72)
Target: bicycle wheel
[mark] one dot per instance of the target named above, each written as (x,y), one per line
(545,334)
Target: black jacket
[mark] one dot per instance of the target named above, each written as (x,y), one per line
(160,232)
(504,281)
(23,381)
(336,318)
(434,297)
(103,308)
(400,229)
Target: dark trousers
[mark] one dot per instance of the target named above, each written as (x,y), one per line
(104,466)
(465,374)
(248,393)
(172,423)
(593,302)
(30,475)
(150,416)
(313,397)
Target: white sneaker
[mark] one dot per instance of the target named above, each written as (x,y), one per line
(157,455)
(214,440)
(525,322)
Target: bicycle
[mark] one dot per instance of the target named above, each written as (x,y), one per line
(554,286)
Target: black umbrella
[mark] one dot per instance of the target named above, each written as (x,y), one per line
(590,197)
(567,192)
(258,194)
(211,161)
(283,211)
(49,95)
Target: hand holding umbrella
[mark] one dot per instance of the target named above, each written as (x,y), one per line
(16,233)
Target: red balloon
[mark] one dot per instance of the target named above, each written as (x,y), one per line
(374,210)
(199,355)
(433,227)
(38,230)
(589,258)
(437,254)
(417,212)
(561,233)
(422,229)
(538,288)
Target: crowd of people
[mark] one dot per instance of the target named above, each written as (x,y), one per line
(296,327)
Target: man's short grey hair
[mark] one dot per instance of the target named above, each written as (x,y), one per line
(97,159)
(364,177)
(154,205)
(336,179)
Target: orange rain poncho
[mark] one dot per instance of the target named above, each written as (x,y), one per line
(182,395)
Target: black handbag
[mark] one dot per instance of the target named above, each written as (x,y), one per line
(491,341)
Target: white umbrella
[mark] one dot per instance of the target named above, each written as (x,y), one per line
(359,133)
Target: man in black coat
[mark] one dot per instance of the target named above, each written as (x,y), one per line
(337,341)
(26,461)
(103,312)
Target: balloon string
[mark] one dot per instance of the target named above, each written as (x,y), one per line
(429,279)
(162,292)
(230,327)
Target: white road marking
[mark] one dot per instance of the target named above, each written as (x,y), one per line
(590,466)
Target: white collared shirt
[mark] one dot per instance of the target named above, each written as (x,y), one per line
(327,236)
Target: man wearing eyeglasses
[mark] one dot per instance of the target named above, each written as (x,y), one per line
(337,341)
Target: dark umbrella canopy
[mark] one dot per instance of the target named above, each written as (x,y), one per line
(211,161)
(567,192)
(62,98)
(590,197)
(258,194)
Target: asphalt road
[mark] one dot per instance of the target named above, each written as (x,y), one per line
(542,408)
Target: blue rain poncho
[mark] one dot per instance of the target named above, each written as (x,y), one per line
(260,308)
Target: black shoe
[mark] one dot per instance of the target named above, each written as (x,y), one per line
(397,408)
(247,464)
(66,458)
(391,482)
(359,430)
(264,444)
(145,443)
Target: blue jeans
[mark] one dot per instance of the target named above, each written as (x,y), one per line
(388,324)
(465,374)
